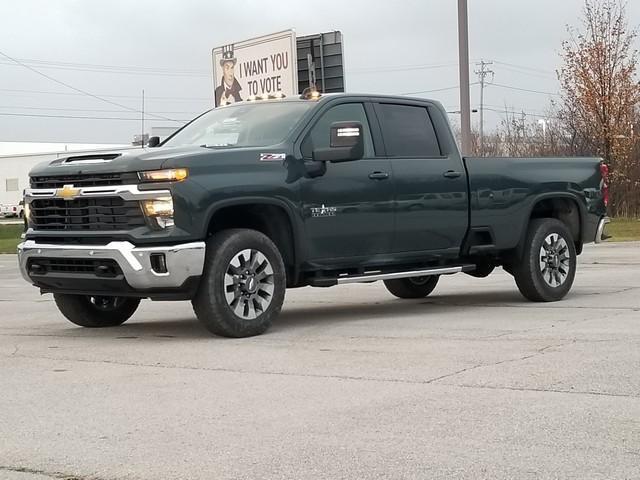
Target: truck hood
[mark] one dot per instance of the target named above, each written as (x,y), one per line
(116,161)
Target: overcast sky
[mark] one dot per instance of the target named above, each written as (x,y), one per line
(164,47)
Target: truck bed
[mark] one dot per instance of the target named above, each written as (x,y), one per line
(503,191)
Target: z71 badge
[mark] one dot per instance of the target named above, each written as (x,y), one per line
(323,211)
(272,157)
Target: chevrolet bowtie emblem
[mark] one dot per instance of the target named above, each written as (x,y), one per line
(68,192)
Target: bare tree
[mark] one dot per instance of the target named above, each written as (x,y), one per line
(600,96)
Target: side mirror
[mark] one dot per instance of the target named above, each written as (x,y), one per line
(346,145)
(153,142)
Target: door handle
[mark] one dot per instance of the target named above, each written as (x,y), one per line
(379,175)
(452,174)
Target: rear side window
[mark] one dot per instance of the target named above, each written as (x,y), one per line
(407,131)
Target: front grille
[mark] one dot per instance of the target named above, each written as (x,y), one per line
(86,180)
(101,268)
(86,214)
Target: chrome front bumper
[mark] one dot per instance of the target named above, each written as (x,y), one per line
(600,231)
(183,261)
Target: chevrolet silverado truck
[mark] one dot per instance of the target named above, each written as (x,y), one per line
(253,198)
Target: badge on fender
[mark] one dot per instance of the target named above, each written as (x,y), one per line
(272,157)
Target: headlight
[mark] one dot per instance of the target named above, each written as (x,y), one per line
(159,211)
(170,175)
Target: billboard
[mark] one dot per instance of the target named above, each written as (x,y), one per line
(257,67)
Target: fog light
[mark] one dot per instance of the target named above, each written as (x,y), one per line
(159,211)
(158,207)
(37,269)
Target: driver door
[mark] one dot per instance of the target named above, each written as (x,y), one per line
(348,211)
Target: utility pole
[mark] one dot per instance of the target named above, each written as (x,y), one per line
(482,75)
(142,136)
(463,67)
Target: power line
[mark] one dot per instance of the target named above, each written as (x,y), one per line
(525,73)
(401,68)
(105,96)
(435,90)
(524,89)
(522,112)
(112,67)
(86,110)
(524,67)
(541,112)
(80,90)
(37,115)
(102,70)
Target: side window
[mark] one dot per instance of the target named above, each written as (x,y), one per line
(319,137)
(408,131)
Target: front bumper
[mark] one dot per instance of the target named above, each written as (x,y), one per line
(183,261)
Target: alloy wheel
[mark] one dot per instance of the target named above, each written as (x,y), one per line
(249,284)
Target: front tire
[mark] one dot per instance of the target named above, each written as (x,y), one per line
(414,287)
(548,265)
(95,311)
(242,289)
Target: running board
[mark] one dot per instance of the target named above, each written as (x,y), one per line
(375,276)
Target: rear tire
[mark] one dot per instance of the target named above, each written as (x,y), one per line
(414,287)
(243,285)
(548,265)
(94,311)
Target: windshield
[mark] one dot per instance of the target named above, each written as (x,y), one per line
(242,125)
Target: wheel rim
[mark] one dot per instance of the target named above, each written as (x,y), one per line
(106,304)
(420,280)
(248,284)
(555,260)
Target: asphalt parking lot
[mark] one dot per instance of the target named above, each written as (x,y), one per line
(471,382)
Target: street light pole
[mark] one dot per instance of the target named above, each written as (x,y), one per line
(463,66)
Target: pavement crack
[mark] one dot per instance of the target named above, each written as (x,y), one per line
(538,352)
(546,390)
(45,473)
(351,377)
(534,306)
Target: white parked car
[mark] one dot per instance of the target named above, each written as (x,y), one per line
(12,210)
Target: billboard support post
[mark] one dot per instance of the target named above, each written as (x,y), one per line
(311,65)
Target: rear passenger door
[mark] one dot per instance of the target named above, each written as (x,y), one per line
(431,185)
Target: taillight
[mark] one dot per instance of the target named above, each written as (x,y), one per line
(604,182)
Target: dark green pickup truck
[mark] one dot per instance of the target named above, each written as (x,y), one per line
(256,197)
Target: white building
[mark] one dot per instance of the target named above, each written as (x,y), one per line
(18,158)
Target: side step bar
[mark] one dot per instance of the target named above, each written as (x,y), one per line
(375,276)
